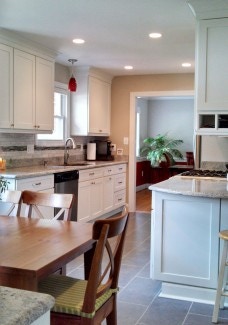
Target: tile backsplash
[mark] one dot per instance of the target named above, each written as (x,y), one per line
(13,148)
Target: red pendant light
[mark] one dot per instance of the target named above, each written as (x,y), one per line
(72,85)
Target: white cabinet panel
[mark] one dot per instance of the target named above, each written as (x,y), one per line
(24,90)
(185,244)
(90,113)
(44,94)
(108,197)
(6,86)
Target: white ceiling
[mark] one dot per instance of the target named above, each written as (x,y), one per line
(115,31)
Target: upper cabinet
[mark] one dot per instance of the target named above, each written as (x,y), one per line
(26,90)
(91,103)
(211,75)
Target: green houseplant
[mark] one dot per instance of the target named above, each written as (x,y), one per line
(161,150)
(3,185)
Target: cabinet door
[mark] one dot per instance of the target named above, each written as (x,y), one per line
(6,86)
(108,193)
(96,198)
(44,94)
(24,90)
(212,69)
(99,107)
(84,201)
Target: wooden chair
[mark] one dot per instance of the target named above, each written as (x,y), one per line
(11,203)
(36,201)
(90,302)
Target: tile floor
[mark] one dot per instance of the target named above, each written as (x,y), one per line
(138,300)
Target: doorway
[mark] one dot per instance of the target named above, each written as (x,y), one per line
(132,135)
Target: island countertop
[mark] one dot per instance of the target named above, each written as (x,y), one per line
(193,187)
(22,307)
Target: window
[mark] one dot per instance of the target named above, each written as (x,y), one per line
(61,111)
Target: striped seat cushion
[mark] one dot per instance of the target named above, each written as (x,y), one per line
(69,294)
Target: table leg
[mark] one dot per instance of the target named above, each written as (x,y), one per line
(88,257)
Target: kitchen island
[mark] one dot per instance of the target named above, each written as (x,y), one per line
(187,215)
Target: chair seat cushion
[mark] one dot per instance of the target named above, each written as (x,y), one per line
(69,294)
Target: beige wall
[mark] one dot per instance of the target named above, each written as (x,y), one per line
(120,102)
(62,73)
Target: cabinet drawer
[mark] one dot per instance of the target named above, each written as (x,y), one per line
(120,182)
(36,183)
(88,174)
(109,170)
(119,198)
(121,168)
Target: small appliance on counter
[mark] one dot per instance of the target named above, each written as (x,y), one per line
(103,150)
(91,151)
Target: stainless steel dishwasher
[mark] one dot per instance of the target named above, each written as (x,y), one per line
(67,182)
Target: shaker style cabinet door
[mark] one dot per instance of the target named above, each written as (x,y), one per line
(99,106)
(44,94)
(24,90)
(6,86)
(212,68)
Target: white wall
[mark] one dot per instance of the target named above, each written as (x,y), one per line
(175,116)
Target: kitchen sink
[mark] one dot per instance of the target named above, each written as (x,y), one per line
(76,164)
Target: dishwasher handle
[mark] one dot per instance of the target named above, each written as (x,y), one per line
(66,176)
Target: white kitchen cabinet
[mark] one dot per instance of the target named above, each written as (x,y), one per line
(108,188)
(39,184)
(24,90)
(90,113)
(44,118)
(184,240)
(90,194)
(101,191)
(212,76)
(6,86)
(27,91)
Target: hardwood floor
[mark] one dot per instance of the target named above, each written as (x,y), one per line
(143,201)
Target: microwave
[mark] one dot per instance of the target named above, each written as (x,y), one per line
(104,150)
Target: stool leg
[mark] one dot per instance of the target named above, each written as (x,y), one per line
(221,282)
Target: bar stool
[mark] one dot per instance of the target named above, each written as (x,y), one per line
(222,291)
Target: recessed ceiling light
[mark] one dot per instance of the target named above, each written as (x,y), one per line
(155,35)
(78,41)
(186,65)
(128,67)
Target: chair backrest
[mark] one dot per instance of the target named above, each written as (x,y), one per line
(104,273)
(9,203)
(38,202)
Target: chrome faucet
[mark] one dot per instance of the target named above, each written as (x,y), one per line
(66,150)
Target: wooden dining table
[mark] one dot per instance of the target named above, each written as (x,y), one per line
(31,249)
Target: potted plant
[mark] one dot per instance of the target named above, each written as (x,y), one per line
(3,185)
(161,150)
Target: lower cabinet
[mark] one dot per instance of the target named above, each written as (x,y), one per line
(184,239)
(101,191)
(40,184)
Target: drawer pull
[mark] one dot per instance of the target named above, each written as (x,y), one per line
(37,184)
(120,182)
(91,174)
(120,200)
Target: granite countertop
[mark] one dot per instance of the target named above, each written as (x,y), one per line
(193,187)
(21,307)
(22,172)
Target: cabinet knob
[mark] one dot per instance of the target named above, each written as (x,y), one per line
(12,125)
